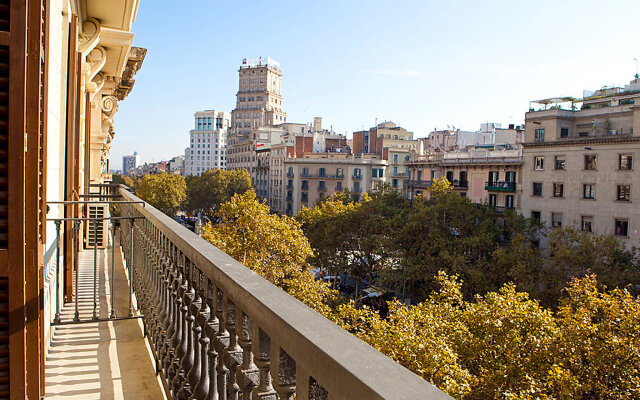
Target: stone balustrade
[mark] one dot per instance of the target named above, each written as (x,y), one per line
(220,331)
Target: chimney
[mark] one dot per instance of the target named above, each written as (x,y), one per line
(317,124)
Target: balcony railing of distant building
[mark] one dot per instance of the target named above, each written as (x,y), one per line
(420,184)
(290,175)
(315,176)
(458,184)
(500,186)
(356,176)
(490,160)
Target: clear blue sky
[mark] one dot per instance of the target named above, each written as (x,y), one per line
(422,64)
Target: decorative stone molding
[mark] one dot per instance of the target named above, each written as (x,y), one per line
(134,62)
(96,60)
(96,84)
(89,37)
(109,108)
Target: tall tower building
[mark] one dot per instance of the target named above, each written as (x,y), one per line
(259,99)
(208,142)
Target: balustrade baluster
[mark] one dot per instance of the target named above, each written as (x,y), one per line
(186,362)
(261,343)
(180,343)
(233,353)
(221,343)
(283,368)
(248,374)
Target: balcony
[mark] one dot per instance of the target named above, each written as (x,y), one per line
(500,186)
(420,184)
(357,176)
(290,174)
(458,184)
(214,328)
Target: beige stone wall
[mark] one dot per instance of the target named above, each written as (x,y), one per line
(348,164)
(605,208)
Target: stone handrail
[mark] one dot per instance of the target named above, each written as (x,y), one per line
(218,330)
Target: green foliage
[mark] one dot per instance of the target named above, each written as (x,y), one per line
(215,187)
(163,191)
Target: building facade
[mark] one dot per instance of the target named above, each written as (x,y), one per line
(66,67)
(318,175)
(492,176)
(391,143)
(130,163)
(207,142)
(579,162)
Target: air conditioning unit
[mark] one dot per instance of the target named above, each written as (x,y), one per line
(97,230)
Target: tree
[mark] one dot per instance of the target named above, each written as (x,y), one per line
(576,254)
(215,187)
(163,191)
(122,180)
(271,245)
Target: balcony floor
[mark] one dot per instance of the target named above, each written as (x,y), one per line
(100,360)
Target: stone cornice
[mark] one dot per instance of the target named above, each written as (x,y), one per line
(134,62)
(585,141)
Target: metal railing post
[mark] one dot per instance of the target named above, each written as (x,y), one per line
(95,270)
(131,272)
(113,270)
(76,229)
(57,319)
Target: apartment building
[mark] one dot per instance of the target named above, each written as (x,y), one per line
(578,162)
(130,163)
(207,142)
(484,174)
(318,175)
(455,139)
(391,143)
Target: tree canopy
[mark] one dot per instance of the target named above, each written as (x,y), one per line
(214,187)
(163,191)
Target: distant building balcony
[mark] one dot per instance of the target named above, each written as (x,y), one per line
(357,176)
(458,184)
(420,184)
(290,174)
(500,186)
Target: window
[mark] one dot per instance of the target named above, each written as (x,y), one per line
(356,173)
(406,158)
(493,177)
(560,163)
(321,172)
(356,186)
(590,162)
(395,171)
(394,183)
(395,158)
(305,185)
(586,223)
(537,188)
(625,161)
(535,215)
(583,134)
(621,227)
(556,220)
(558,190)
(339,172)
(538,163)
(304,197)
(493,199)
(539,135)
(564,132)
(510,176)
(508,203)
(374,172)
(305,171)
(588,191)
(322,186)
(339,186)
(623,193)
